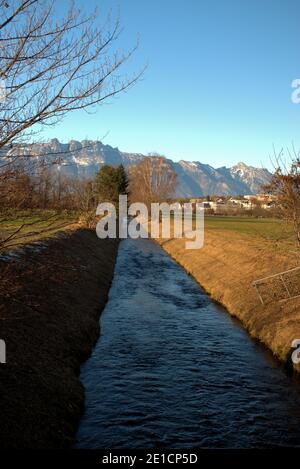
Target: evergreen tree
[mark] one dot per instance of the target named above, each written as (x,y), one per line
(110,182)
(123,180)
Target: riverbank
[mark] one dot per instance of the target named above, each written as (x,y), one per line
(52,294)
(226,267)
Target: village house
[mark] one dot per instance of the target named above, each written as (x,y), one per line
(225,204)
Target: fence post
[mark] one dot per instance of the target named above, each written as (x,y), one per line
(285,286)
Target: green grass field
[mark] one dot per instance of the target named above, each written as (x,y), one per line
(263,227)
(246,225)
(27,226)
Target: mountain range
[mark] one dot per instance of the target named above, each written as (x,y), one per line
(195,179)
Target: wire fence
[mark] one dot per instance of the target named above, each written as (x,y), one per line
(279,287)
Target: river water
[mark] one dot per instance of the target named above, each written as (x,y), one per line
(172,369)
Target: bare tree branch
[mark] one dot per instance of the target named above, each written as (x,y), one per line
(54,64)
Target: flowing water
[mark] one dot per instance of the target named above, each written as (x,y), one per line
(172,369)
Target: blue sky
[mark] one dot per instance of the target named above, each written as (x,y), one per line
(218,84)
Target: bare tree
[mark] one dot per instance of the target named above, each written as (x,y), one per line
(285,186)
(152,180)
(84,201)
(16,189)
(53,64)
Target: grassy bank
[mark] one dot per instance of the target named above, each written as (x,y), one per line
(51,298)
(236,252)
(26,226)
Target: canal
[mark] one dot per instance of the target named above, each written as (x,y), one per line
(172,369)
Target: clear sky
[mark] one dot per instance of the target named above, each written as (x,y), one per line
(218,84)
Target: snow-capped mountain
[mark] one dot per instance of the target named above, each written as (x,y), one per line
(83,159)
(251,176)
(75,159)
(196,179)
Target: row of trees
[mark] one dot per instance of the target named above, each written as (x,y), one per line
(50,189)
(152,180)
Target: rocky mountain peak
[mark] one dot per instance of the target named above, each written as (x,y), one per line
(83,159)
